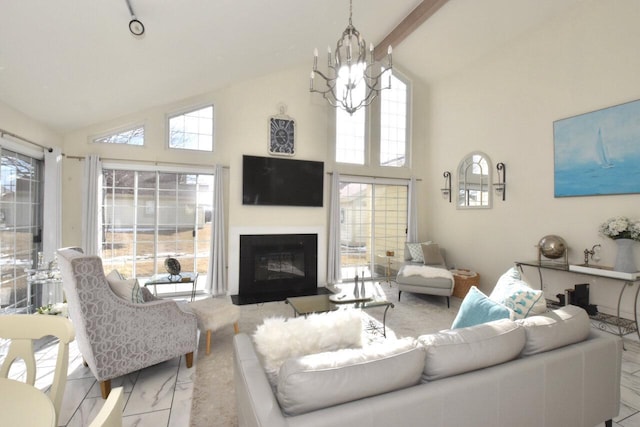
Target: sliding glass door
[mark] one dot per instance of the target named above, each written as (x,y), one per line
(20,226)
(149,216)
(373,220)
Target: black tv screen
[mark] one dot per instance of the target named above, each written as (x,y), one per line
(282,182)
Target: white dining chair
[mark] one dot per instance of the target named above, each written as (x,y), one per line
(22,330)
(111,413)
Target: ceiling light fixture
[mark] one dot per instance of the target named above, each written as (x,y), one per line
(351,82)
(135,26)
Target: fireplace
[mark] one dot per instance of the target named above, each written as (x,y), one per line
(276,266)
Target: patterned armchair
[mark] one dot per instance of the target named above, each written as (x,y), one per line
(117,337)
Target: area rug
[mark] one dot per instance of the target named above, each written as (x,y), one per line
(213,402)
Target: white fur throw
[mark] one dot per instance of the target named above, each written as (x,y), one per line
(278,339)
(426,271)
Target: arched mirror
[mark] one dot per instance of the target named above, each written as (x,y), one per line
(474,182)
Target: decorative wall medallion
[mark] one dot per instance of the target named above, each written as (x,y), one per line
(282,132)
(281,136)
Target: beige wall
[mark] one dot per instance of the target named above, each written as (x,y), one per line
(241,116)
(505,106)
(12,120)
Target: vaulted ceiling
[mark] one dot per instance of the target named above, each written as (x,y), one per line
(69,64)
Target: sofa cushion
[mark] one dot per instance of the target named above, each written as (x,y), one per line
(454,352)
(127,289)
(548,331)
(326,379)
(278,339)
(513,292)
(477,308)
(431,254)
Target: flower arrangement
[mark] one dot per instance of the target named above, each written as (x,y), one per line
(621,227)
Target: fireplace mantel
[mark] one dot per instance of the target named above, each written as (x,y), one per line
(234,249)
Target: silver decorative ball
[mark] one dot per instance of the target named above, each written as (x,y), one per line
(173,266)
(552,246)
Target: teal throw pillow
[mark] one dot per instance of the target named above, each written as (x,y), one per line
(477,308)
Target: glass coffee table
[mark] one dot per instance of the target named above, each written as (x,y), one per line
(166,279)
(302,306)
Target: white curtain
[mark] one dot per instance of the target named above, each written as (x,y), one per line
(91,217)
(334,274)
(217,277)
(412,226)
(52,221)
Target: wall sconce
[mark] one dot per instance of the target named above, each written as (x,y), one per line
(446,191)
(500,187)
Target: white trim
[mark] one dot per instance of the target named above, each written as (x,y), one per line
(373,180)
(146,167)
(21,149)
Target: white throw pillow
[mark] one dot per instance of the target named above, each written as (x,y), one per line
(127,289)
(278,339)
(516,294)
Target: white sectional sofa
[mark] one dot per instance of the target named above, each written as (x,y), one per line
(550,370)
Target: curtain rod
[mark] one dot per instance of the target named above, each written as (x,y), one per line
(372,176)
(155,162)
(13,135)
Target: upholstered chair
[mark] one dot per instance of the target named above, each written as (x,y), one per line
(115,336)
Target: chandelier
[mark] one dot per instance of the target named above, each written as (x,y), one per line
(351,81)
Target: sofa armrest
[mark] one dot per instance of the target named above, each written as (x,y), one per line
(256,402)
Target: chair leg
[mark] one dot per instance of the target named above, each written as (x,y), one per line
(448,304)
(399,293)
(208,342)
(236,328)
(105,388)
(189,359)
(608,423)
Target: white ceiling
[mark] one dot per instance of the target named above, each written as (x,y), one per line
(70,63)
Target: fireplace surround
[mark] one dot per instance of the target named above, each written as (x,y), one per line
(276,266)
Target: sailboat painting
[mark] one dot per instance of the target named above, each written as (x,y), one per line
(598,153)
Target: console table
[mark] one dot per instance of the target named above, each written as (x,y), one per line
(623,326)
(167,279)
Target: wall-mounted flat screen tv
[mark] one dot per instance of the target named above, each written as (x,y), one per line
(282,182)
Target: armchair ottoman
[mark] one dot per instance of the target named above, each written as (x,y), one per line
(214,314)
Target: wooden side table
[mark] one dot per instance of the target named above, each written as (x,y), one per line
(463,280)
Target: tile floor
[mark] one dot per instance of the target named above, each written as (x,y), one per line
(157,396)
(161,395)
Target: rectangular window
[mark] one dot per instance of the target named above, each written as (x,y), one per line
(350,132)
(373,220)
(192,130)
(133,136)
(150,216)
(350,137)
(393,124)
(20,228)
